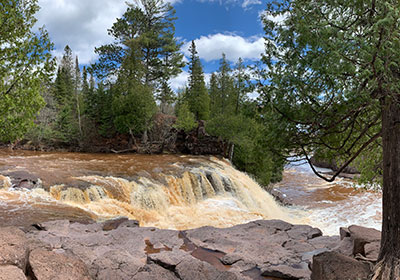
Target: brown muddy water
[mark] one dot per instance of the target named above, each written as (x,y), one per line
(170,191)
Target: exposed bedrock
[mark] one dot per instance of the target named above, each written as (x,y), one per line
(120,249)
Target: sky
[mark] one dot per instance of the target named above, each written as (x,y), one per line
(232,27)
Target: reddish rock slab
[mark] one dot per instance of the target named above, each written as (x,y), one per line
(335,266)
(11,272)
(14,247)
(48,265)
(362,236)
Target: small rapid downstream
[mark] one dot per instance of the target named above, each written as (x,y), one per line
(330,206)
(169,191)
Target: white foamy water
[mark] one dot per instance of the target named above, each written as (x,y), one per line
(330,206)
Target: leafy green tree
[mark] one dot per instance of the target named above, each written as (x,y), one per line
(197,95)
(185,118)
(333,81)
(166,96)
(25,66)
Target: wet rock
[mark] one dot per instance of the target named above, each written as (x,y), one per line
(8,272)
(48,265)
(23,179)
(335,266)
(14,248)
(115,223)
(280,197)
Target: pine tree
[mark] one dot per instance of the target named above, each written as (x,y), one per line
(77,93)
(66,93)
(197,95)
(150,24)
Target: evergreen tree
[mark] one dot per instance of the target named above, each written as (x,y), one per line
(133,102)
(77,93)
(197,95)
(150,24)
(214,95)
(66,93)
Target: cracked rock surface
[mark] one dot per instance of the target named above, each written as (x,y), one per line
(123,250)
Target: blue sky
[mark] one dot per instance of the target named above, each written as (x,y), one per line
(229,26)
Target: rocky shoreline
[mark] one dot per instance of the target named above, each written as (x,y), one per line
(120,249)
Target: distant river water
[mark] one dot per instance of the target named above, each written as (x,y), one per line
(169,191)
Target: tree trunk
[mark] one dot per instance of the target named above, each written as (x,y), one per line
(388,267)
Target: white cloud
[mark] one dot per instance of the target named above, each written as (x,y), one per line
(277,19)
(181,80)
(81,24)
(247,3)
(211,47)
(244,3)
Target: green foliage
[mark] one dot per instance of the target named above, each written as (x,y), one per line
(186,120)
(197,95)
(144,56)
(330,66)
(133,108)
(25,66)
(236,119)
(67,93)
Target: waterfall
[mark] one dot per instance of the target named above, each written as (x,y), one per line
(205,192)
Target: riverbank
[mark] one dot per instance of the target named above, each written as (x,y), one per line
(161,140)
(120,249)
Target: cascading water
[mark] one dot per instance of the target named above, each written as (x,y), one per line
(169,191)
(178,193)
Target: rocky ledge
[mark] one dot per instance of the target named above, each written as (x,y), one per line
(120,249)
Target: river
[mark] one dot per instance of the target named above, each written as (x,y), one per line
(170,191)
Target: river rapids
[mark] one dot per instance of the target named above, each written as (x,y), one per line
(170,192)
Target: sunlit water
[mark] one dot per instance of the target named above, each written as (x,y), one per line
(169,191)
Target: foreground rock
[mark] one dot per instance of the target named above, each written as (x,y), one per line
(120,249)
(50,265)
(335,266)
(8,272)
